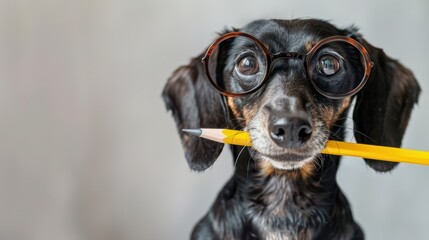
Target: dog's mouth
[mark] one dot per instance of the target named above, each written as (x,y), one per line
(285,161)
(286,158)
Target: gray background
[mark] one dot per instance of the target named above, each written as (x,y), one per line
(87,150)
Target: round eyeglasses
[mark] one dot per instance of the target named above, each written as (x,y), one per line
(336,66)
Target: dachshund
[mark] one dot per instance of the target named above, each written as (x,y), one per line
(291,85)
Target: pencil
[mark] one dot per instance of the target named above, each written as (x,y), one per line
(332,147)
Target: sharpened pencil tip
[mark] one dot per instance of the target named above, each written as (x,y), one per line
(196,132)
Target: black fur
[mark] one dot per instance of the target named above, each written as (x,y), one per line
(263,202)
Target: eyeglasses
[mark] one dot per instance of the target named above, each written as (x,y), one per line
(336,66)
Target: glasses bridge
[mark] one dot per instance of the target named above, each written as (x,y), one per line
(288,55)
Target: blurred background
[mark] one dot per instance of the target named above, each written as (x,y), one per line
(88,151)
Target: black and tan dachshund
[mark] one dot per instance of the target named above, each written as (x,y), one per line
(290,84)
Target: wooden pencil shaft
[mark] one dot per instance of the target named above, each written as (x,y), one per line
(332,147)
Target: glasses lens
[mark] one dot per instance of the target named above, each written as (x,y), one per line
(237,65)
(337,69)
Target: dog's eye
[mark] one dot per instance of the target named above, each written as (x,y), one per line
(328,65)
(248,65)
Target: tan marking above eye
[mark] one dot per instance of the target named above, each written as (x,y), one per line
(309,45)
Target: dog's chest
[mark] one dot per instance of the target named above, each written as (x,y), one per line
(281,208)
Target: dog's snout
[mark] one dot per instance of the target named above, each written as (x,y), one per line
(289,131)
(289,124)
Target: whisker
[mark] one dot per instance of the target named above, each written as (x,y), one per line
(247,172)
(317,164)
(334,135)
(347,118)
(356,131)
(352,128)
(238,155)
(317,35)
(234,123)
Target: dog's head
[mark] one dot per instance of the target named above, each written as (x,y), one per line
(290,83)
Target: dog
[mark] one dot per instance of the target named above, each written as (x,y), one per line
(291,85)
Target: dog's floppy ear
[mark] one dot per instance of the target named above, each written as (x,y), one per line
(195,104)
(383,107)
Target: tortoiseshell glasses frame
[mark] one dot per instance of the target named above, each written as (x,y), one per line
(366,63)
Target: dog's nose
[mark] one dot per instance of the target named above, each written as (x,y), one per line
(290,132)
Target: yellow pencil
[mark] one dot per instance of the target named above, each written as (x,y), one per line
(332,147)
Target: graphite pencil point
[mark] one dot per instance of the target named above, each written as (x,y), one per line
(196,132)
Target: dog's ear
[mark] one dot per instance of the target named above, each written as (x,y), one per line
(383,107)
(195,104)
